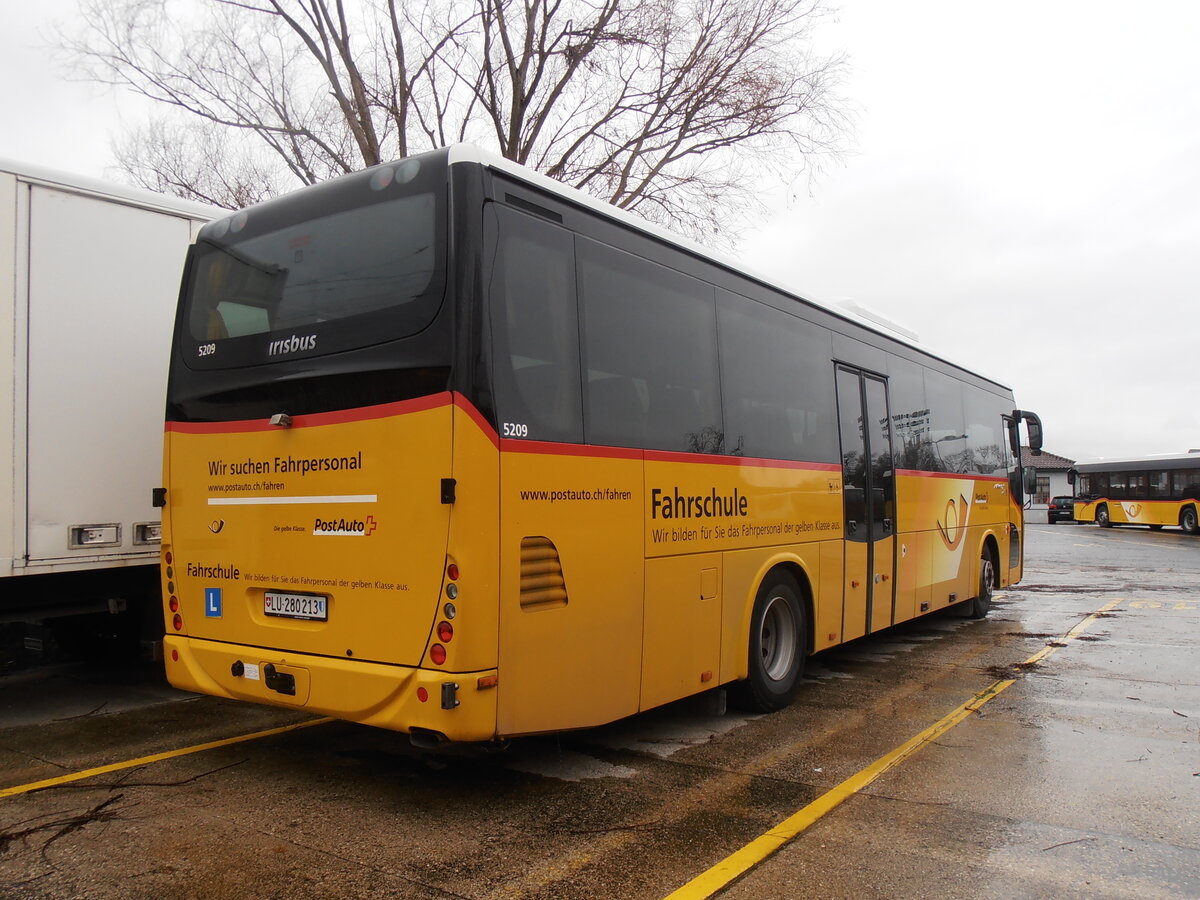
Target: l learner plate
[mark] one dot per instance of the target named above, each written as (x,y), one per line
(295,606)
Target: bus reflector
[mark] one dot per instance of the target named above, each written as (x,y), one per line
(445,632)
(486,681)
(437,653)
(422,694)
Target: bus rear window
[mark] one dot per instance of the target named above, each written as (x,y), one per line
(345,279)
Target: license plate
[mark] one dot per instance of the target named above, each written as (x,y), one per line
(295,606)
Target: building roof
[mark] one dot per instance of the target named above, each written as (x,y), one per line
(1049,462)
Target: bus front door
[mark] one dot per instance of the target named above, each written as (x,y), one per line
(869,496)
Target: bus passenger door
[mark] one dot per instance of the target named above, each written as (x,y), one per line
(869,496)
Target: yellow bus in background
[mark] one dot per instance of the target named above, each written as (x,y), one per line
(454,450)
(1151,490)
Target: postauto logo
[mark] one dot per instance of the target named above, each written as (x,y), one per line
(345,527)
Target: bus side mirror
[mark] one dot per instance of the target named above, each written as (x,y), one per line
(1034,426)
(1030,484)
(1071,475)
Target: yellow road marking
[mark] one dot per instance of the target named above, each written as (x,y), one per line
(153,758)
(742,861)
(1079,629)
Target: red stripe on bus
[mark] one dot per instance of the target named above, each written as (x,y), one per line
(477,417)
(549,448)
(312,420)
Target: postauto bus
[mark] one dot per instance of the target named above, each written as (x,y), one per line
(455,450)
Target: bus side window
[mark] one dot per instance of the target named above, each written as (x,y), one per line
(912,443)
(947,426)
(535,331)
(778,382)
(616,400)
(671,355)
(1160,485)
(1186,485)
(986,440)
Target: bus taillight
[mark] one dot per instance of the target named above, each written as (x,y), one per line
(445,632)
(452,571)
(174,604)
(178,622)
(437,653)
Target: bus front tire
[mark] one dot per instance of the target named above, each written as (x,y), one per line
(1188,521)
(778,629)
(1102,518)
(979,607)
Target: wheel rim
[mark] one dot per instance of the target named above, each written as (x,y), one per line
(987,579)
(777,638)
(1102,515)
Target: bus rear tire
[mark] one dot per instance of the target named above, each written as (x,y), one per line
(1102,518)
(778,644)
(1188,521)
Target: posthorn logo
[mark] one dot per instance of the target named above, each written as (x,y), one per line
(954,526)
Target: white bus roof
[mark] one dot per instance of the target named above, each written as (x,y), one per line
(1134,463)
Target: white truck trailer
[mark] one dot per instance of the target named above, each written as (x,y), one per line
(89,276)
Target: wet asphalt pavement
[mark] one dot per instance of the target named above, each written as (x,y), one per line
(1081,779)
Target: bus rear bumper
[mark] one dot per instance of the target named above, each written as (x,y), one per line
(459,706)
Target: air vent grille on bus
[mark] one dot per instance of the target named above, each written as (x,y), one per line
(542,584)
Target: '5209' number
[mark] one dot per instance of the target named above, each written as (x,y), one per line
(512,429)
(208,349)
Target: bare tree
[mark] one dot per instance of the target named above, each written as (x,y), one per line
(198,161)
(672,108)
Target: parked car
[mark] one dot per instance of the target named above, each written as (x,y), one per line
(1062,509)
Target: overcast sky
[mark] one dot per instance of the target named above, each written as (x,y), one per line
(1024,194)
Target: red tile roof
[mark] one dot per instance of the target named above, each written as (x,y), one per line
(1049,461)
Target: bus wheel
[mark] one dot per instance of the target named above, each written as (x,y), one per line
(978,608)
(1102,517)
(777,646)
(1188,521)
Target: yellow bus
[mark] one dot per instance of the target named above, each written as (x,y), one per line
(1149,490)
(457,451)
